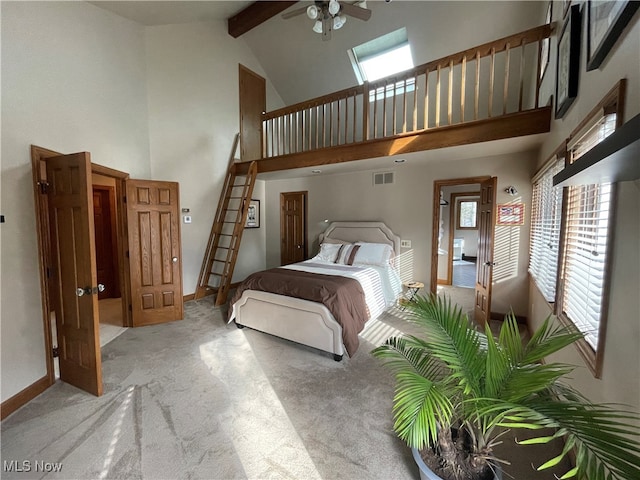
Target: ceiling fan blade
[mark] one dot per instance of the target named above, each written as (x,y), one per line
(354,11)
(294,13)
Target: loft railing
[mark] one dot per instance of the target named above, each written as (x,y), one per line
(491,80)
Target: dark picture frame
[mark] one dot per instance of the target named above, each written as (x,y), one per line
(568,62)
(253,215)
(605,22)
(545,45)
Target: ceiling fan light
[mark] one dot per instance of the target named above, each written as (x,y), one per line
(339,21)
(334,7)
(317,27)
(312,12)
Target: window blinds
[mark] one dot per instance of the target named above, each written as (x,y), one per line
(586,241)
(546,215)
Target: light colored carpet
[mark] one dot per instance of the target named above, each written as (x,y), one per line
(202,399)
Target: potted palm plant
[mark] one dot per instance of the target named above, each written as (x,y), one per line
(458,389)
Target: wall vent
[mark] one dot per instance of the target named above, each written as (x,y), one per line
(383,178)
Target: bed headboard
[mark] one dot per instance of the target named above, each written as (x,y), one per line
(373,232)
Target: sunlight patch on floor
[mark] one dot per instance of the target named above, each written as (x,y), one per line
(108,458)
(263,436)
(378,333)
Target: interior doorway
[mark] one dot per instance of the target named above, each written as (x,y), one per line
(457,244)
(293,227)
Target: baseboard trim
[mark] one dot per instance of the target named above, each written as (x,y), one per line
(21,398)
(500,316)
(189,297)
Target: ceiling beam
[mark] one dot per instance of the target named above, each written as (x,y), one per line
(254,15)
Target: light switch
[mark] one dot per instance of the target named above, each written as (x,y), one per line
(186,218)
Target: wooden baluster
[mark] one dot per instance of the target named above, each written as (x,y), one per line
(492,75)
(317,145)
(450,96)
(415,103)
(324,125)
(290,129)
(426,99)
(375,112)
(506,79)
(522,61)
(331,124)
(463,86)
(384,110)
(438,97)
(477,93)
(404,107)
(394,117)
(338,122)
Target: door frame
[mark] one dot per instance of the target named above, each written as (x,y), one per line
(113,229)
(452,226)
(38,168)
(435,227)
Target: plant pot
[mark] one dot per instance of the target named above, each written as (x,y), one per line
(427,474)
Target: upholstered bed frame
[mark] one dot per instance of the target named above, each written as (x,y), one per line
(303,321)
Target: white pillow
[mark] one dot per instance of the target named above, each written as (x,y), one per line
(373,254)
(328,252)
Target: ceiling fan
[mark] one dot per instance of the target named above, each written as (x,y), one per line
(331,15)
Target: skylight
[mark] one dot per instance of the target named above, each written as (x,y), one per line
(382,56)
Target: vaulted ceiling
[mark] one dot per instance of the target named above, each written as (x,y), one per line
(301,66)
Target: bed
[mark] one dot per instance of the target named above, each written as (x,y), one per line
(312,323)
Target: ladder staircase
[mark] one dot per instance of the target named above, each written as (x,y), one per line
(226,233)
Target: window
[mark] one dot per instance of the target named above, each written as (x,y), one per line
(467,214)
(570,243)
(382,56)
(586,245)
(546,213)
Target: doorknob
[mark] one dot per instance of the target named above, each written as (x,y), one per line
(79,292)
(174,259)
(100,287)
(299,246)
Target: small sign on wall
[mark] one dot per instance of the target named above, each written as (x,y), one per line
(510,214)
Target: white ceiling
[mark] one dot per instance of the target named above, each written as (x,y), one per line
(301,66)
(166,13)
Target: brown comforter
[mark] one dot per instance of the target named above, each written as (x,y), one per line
(342,296)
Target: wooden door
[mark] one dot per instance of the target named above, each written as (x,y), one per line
(253,103)
(293,227)
(105,235)
(484,266)
(154,251)
(75,301)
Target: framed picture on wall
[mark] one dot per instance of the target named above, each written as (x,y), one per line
(510,214)
(253,215)
(568,62)
(605,22)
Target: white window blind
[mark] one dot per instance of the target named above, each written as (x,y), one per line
(586,240)
(586,257)
(546,214)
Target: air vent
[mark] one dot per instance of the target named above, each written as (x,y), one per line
(383,178)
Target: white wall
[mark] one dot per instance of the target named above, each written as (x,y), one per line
(73,79)
(620,382)
(193,117)
(406,206)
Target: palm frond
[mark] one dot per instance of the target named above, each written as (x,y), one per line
(420,408)
(606,438)
(452,338)
(548,339)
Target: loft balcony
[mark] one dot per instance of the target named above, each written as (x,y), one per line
(485,93)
